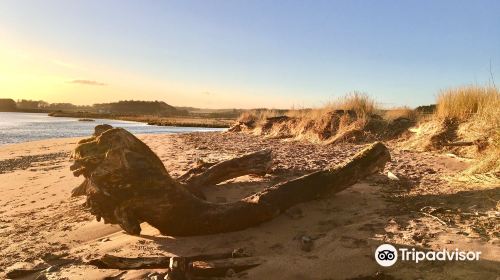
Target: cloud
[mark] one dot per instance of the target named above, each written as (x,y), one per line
(88,83)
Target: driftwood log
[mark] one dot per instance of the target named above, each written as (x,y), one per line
(211,265)
(179,268)
(481,144)
(127,184)
(206,174)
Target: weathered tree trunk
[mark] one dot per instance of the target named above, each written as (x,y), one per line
(126,184)
(215,265)
(206,174)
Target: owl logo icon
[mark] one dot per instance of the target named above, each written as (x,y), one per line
(386,255)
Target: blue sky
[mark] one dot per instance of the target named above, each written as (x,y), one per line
(246,53)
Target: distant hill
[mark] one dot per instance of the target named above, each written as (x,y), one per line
(125,107)
(132,107)
(121,108)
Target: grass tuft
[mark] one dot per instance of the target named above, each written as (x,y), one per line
(356,101)
(400,112)
(258,116)
(477,108)
(464,103)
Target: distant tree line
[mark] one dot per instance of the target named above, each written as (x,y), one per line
(158,108)
(128,107)
(7,105)
(40,104)
(426,109)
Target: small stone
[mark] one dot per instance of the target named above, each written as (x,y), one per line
(391,176)
(306,243)
(240,252)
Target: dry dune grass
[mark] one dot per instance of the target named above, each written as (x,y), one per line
(354,117)
(356,101)
(468,113)
(477,109)
(258,115)
(345,116)
(482,116)
(401,112)
(478,105)
(463,103)
(316,124)
(360,103)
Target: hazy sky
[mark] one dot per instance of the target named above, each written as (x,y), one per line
(239,53)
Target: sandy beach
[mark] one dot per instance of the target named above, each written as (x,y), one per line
(42,225)
(280,140)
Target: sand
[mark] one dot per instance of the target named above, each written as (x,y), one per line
(425,209)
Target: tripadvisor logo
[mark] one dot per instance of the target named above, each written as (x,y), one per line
(387,255)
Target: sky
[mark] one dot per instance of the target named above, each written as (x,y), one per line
(245,54)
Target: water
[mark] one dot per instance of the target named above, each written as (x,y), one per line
(23,127)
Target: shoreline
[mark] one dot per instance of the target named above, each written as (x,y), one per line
(26,127)
(180,121)
(77,138)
